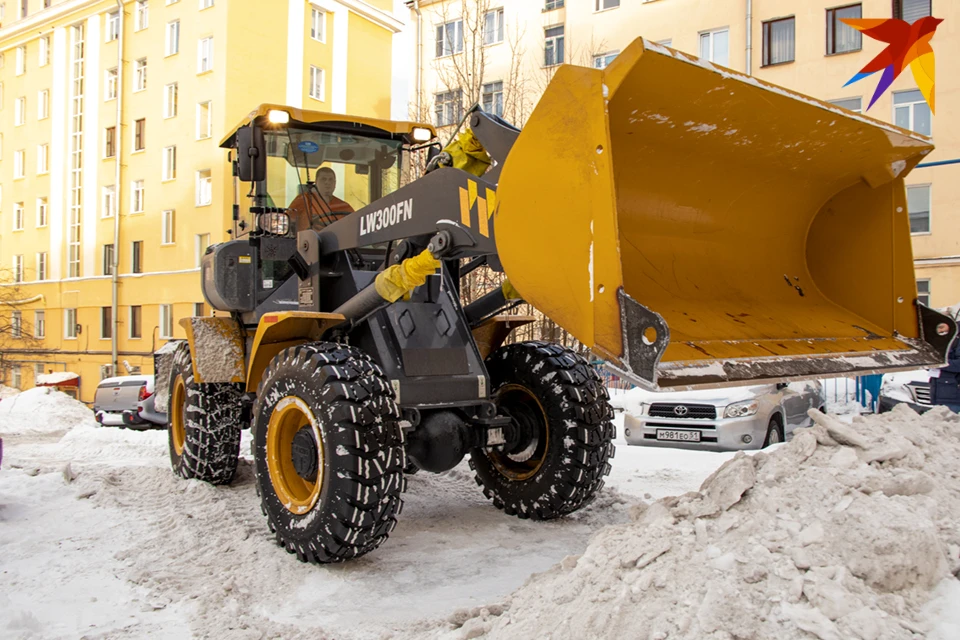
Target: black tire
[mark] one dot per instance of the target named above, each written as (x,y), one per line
(547,385)
(336,397)
(203,424)
(774,431)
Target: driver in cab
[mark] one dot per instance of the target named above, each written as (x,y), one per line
(318,207)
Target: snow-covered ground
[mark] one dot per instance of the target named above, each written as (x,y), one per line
(98,539)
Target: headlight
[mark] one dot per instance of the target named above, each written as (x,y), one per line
(277,116)
(741,409)
(422,134)
(275,222)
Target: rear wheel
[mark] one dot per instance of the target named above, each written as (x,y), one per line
(204,424)
(328,452)
(562,413)
(774,432)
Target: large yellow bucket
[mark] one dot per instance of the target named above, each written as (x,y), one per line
(697,227)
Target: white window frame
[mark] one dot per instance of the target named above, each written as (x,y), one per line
(205,55)
(169,163)
(172,38)
(41,266)
(171,96)
(318,83)
(108,195)
(110,84)
(44,53)
(166,321)
(18,215)
(168,229)
(43,104)
(498,26)
(20,111)
(711,35)
(490,89)
(911,110)
(843,102)
(16,328)
(108,252)
(130,322)
(16,377)
(106,325)
(929,187)
(40,323)
(136,256)
(112,28)
(43,159)
(205,4)
(43,212)
(603,60)
(18,268)
(928,293)
(136,196)
(142,18)
(208,133)
(140,75)
(204,188)
(555,40)
(605,5)
(200,243)
(318,24)
(21,60)
(444,47)
(19,164)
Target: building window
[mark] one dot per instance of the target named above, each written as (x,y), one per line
(170,98)
(136,256)
(449,38)
(553,4)
(553,46)
(602,60)
(853,104)
(449,107)
(918,204)
(493,26)
(21,66)
(205,4)
(166,321)
(70,323)
(923,291)
(41,212)
(20,111)
(142,15)
(201,242)
(842,38)
(44,51)
(42,155)
(140,74)
(204,121)
(911,10)
(110,84)
(492,98)
(167,230)
(108,259)
(110,142)
(317,90)
(135,321)
(199,309)
(140,134)
(16,381)
(169,163)
(204,187)
(19,163)
(173,38)
(600,5)
(113,26)
(18,216)
(778,41)
(205,55)
(911,111)
(43,104)
(318,25)
(39,324)
(42,265)
(109,201)
(18,268)
(715,46)
(106,323)
(16,324)
(136,197)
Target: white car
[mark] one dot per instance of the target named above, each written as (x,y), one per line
(120,401)
(719,419)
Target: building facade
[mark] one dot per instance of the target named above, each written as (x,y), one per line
(111,114)
(501,53)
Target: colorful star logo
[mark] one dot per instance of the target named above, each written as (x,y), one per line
(907,44)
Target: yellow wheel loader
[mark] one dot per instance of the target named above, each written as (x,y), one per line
(692,226)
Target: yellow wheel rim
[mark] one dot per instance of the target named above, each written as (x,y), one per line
(178,405)
(520,398)
(297,494)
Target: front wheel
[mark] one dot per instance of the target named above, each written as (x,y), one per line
(774,432)
(562,414)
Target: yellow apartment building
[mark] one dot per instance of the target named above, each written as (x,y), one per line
(112,183)
(502,53)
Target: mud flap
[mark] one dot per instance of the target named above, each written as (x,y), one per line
(216,348)
(162,372)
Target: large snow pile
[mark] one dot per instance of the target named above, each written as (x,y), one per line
(42,410)
(7,392)
(848,531)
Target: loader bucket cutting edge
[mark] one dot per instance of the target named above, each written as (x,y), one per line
(697,227)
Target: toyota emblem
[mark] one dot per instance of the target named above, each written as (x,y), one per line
(680,410)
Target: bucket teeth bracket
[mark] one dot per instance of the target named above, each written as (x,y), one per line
(645,338)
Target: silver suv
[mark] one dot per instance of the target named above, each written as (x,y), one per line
(719,419)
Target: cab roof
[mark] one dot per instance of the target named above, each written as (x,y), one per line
(401,130)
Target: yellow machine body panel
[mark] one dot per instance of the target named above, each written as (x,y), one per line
(698,227)
(278,331)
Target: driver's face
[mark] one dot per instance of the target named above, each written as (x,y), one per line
(326,183)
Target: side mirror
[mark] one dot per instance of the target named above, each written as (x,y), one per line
(251,154)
